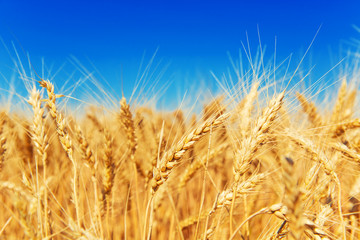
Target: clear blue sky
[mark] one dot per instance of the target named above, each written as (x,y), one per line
(192,36)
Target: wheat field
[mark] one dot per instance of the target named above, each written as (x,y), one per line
(259,162)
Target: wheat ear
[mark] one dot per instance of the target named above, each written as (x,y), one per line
(64,139)
(86,152)
(89,158)
(257,137)
(39,137)
(127,121)
(173,156)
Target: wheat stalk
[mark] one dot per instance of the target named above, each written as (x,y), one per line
(64,140)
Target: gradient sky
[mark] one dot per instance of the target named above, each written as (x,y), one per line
(192,37)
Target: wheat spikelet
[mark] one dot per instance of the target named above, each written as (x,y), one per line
(38,134)
(86,152)
(128,123)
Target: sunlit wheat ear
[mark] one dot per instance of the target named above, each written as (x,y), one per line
(40,140)
(38,134)
(173,156)
(127,121)
(160,147)
(64,138)
(257,136)
(86,152)
(61,129)
(310,109)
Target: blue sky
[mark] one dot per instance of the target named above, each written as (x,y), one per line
(192,37)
